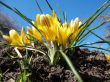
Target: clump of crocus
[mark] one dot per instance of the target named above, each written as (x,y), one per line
(48,30)
(53,30)
(54,34)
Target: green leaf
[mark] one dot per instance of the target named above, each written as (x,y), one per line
(71,66)
(84,36)
(91,19)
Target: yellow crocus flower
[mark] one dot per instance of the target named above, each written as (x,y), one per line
(63,34)
(107,57)
(74,26)
(34,33)
(15,39)
(69,30)
(48,25)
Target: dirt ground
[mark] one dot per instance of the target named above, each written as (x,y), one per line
(91,65)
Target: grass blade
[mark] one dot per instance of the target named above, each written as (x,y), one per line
(18,13)
(100,38)
(39,6)
(65,16)
(49,5)
(96,48)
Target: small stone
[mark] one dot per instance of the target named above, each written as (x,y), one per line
(11,80)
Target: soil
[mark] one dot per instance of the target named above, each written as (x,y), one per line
(91,65)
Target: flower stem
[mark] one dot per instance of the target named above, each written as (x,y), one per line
(71,66)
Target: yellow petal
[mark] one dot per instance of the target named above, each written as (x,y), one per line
(36,34)
(37,19)
(23,33)
(29,31)
(7,38)
(16,40)
(80,23)
(13,34)
(62,36)
(54,14)
(44,20)
(24,37)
